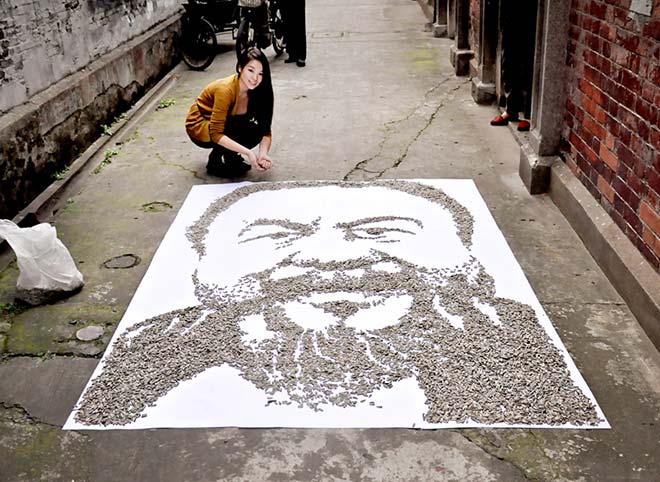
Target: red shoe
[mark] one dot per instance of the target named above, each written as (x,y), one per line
(523,126)
(500,120)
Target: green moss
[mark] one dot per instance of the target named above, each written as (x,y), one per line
(423,60)
(37,452)
(8,277)
(107,159)
(9,310)
(165,103)
(51,329)
(156,207)
(522,448)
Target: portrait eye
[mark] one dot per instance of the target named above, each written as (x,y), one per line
(385,229)
(267,232)
(281,232)
(382,234)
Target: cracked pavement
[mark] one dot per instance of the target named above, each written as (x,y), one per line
(377,99)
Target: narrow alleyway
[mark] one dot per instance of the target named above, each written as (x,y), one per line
(377,99)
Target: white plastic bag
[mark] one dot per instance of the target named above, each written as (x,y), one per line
(47,271)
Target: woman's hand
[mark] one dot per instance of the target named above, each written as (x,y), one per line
(264,162)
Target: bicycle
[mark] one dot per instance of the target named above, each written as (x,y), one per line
(260,25)
(202,21)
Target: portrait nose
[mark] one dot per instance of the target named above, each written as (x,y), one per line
(329,245)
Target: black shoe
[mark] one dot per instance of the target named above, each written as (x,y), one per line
(215,165)
(300,63)
(290,60)
(227,166)
(217,169)
(235,162)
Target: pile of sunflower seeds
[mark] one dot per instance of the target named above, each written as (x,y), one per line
(482,372)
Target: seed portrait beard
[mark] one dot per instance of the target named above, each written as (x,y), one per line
(338,364)
(481,371)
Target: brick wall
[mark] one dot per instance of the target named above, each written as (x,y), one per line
(611,137)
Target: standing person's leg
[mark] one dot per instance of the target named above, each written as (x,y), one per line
(512,68)
(288,16)
(511,76)
(261,20)
(519,79)
(301,29)
(296,32)
(511,62)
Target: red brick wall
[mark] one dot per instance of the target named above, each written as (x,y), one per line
(611,137)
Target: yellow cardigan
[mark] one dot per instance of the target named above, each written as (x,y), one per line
(206,118)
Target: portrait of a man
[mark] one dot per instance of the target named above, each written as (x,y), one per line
(321,295)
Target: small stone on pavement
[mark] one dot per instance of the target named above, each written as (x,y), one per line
(90,333)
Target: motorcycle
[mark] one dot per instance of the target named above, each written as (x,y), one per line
(202,21)
(260,25)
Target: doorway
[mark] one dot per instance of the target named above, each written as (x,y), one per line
(516,46)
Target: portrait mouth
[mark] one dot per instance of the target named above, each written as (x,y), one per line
(320,310)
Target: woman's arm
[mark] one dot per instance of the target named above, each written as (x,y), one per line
(261,162)
(232,145)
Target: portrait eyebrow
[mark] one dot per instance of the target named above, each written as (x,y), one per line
(291,230)
(354,229)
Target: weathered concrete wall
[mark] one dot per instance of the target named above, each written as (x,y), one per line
(66,68)
(43,41)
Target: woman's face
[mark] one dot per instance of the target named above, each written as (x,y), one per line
(252,74)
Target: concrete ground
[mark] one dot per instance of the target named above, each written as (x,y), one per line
(378,99)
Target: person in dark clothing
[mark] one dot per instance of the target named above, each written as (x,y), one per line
(518,25)
(293,14)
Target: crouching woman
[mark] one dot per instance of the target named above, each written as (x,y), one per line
(233,115)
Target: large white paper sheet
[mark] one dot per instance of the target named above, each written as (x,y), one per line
(225,250)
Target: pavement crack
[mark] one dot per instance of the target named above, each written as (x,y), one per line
(164,162)
(492,450)
(23,414)
(48,356)
(393,127)
(595,303)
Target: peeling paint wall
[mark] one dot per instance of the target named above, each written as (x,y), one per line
(43,41)
(66,68)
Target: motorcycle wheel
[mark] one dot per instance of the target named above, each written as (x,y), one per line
(199,44)
(243,38)
(277,26)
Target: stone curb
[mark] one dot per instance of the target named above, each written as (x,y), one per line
(630,274)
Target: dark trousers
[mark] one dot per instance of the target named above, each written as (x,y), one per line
(518,24)
(240,128)
(293,14)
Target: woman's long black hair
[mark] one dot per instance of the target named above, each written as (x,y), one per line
(261,99)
